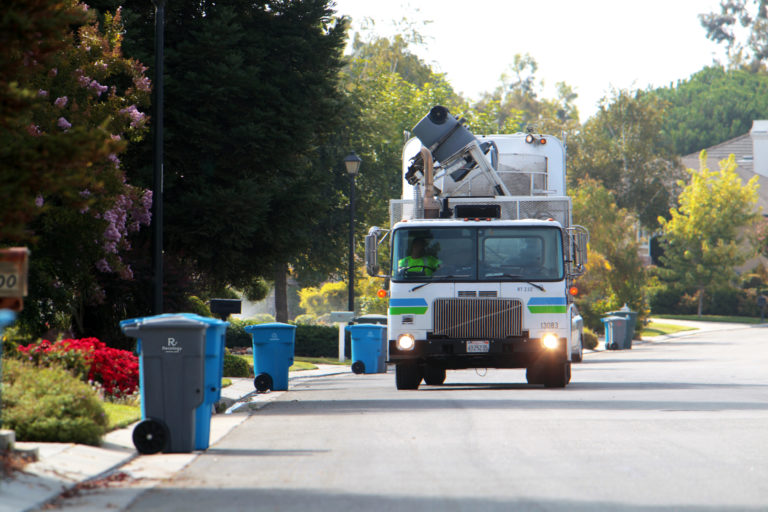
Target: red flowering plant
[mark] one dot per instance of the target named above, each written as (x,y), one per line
(115,371)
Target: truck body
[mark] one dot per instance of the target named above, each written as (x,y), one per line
(483,256)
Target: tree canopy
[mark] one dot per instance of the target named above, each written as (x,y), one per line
(624,148)
(712,106)
(742,26)
(253,134)
(702,240)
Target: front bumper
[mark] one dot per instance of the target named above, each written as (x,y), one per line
(519,352)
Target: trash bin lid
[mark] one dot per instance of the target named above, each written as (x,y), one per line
(134,326)
(205,319)
(272,326)
(366,327)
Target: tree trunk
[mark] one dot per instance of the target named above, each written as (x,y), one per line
(701,300)
(281,293)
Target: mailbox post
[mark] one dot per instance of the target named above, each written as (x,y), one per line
(14,266)
(343,318)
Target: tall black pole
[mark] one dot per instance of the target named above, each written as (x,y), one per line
(351,292)
(157,192)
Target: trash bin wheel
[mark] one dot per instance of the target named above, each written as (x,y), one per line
(150,436)
(407,376)
(263,382)
(434,375)
(358,367)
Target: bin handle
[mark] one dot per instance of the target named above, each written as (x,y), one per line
(131,330)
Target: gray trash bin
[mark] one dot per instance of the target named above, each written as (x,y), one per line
(171,380)
(631,317)
(615,332)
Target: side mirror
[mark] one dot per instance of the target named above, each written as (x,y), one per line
(579,239)
(14,267)
(372,253)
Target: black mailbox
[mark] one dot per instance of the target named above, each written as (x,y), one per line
(225,307)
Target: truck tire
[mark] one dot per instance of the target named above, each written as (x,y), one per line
(434,375)
(558,375)
(407,376)
(534,375)
(577,356)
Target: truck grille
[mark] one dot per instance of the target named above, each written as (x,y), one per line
(478,318)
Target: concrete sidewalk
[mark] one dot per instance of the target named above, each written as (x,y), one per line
(64,469)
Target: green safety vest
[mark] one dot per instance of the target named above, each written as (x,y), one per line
(425,264)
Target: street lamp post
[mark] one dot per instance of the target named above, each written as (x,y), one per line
(352,163)
(157,189)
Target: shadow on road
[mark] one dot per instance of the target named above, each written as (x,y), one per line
(262,453)
(308,499)
(417,404)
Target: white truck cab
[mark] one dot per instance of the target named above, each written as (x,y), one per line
(483,255)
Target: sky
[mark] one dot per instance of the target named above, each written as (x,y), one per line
(592,45)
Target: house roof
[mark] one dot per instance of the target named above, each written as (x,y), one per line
(741,148)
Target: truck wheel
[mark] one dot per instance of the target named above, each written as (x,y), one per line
(434,375)
(577,356)
(407,376)
(534,375)
(558,375)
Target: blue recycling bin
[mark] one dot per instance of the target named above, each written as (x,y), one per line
(7,317)
(215,341)
(273,345)
(369,347)
(615,332)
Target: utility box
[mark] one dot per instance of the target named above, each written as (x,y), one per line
(171,380)
(14,268)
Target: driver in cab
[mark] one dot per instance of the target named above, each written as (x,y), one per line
(418,261)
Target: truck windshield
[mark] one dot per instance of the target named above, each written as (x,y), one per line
(520,253)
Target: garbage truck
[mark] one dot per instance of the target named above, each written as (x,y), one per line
(483,255)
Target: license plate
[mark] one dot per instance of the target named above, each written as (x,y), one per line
(478,346)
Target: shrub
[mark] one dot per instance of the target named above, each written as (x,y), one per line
(117,371)
(589,338)
(236,335)
(318,341)
(48,404)
(198,306)
(305,319)
(235,366)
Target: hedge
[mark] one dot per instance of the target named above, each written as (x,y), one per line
(311,340)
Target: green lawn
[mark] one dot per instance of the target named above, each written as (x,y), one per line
(660,328)
(303,363)
(121,415)
(714,318)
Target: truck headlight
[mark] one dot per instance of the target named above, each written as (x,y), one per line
(550,341)
(405,342)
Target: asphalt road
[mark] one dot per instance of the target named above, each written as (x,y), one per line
(676,425)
